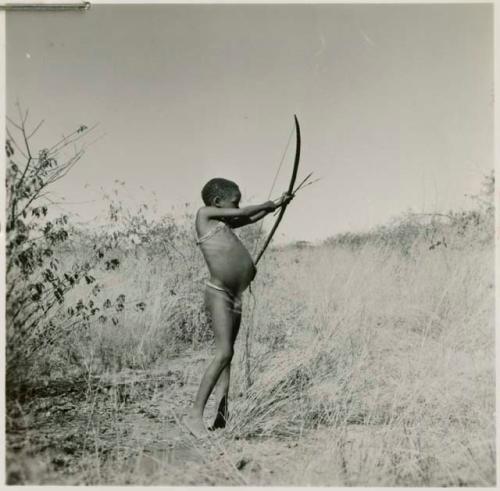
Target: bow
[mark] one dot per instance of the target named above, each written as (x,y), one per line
(290,190)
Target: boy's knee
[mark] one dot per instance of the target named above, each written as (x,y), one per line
(225,356)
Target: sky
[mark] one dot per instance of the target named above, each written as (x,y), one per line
(395,104)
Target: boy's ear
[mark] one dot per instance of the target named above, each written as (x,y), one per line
(216,201)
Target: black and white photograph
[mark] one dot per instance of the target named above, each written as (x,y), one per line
(250,245)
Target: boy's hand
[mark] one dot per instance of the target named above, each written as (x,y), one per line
(270,206)
(284,199)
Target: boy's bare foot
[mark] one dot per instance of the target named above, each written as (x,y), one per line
(195,426)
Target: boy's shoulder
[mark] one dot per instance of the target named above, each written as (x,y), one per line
(203,214)
(202,211)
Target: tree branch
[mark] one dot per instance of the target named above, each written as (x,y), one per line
(37,128)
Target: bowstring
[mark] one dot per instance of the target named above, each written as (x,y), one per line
(272,188)
(246,354)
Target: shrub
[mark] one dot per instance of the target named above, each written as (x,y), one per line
(38,282)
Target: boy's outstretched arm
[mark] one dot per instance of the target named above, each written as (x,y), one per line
(238,222)
(238,217)
(214,212)
(255,217)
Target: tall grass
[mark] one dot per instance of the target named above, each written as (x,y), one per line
(389,353)
(375,353)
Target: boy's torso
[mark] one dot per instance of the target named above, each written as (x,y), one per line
(228,260)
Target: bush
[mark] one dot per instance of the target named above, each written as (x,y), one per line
(38,282)
(431,230)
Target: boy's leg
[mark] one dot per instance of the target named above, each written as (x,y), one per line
(220,310)
(224,380)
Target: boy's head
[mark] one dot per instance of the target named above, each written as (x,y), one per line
(221,193)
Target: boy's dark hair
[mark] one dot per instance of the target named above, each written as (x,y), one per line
(217,187)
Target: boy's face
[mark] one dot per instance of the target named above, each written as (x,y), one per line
(231,200)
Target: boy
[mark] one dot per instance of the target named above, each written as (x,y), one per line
(231,270)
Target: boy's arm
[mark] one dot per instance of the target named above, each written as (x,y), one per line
(238,217)
(241,221)
(238,222)
(244,214)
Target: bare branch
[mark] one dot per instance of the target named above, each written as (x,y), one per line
(44,195)
(25,169)
(13,214)
(19,112)
(13,123)
(54,174)
(68,140)
(37,128)
(62,170)
(23,128)
(93,141)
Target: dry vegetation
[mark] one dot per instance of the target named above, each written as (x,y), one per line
(367,360)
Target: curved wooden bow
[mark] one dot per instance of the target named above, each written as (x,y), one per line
(290,190)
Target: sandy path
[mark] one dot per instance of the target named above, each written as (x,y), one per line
(119,429)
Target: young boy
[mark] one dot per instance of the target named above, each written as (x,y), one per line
(231,270)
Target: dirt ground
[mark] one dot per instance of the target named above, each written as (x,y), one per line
(124,429)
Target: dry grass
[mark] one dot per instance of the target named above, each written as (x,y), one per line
(391,356)
(368,366)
